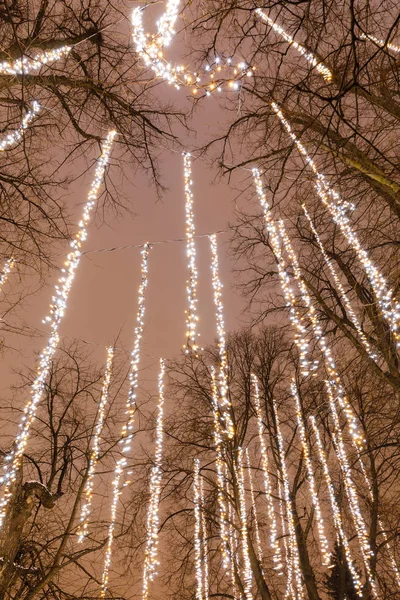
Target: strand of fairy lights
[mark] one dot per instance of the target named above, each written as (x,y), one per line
(380,43)
(197,531)
(326,554)
(94,455)
(289,567)
(247,571)
(150,561)
(227,560)
(57,312)
(205,568)
(223,357)
(295,557)
(127,428)
(336,510)
(308,55)
(340,287)
(234,550)
(25,64)
(16,136)
(254,509)
(277,556)
(331,199)
(301,335)
(191,313)
(8,266)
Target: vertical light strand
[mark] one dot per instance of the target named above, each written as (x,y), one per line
(16,136)
(26,65)
(8,266)
(191,285)
(151,552)
(233,549)
(301,336)
(254,509)
(227,560)
(336,510)
(247,572)
(289,595)
(223,357)
(197,530)
(127,428)
(307,54)
(338,209)
(277,556)
(205,569)
(95,451)
(294,550)
(57,312)
(325,552)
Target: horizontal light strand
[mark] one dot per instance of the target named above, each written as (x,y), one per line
(25,65)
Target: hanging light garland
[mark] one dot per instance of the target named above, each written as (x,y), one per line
(205,568)
(150,561)
(380,43)
(223,370)
(191,313)
(57,312)
(127,428)
(8,266)
(254,510)
(25,65)
(307,54)
(326,554)
(336,511)
(197,531)
(247,572)
(12,139)
(94,455)
(389,306)
(277,556)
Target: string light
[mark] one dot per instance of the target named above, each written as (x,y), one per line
(94,455)
(191,313)
(247,572)
(277,557)
(127,428)
(12,139)
(150,561)
(301,335)
(8,266)
(25,65)
(233,545)
(197,530)
(308,55)
(336,511)
(331,199)
(254,509)
(205,544)
(57,312)
(326,554)
(380,43)
(223,370)
(294,551)
(289,582)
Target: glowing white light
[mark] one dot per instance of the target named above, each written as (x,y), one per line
(308,55)
(380,43)
(254,509)
(197,531)
(289,595)
(277,557)
(204,544)
(191,313)
(8,266)
(150,560)
(94,455)
(331,199)
(28,65)
(247,572)
(223,371)
(16,136)
(57,311)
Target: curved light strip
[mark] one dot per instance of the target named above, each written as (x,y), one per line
(94,455)
(26,65)
(380,43)
(247,572)
(57,312)
(8,266)
(254,509)
(16,136)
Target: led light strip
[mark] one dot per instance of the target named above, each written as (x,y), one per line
(336,511)
(191,313)
(57,311)
(277,556)
(254,510)
(247,572)
(127,428)
(326,554)
(150,561)
(26,65)
(197,530)
(8,266)
(16,136)
(223,370)
(289,581)
(294,551)
(381,43)
(94,455)
(331,199)
(308,55)
(205,569)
